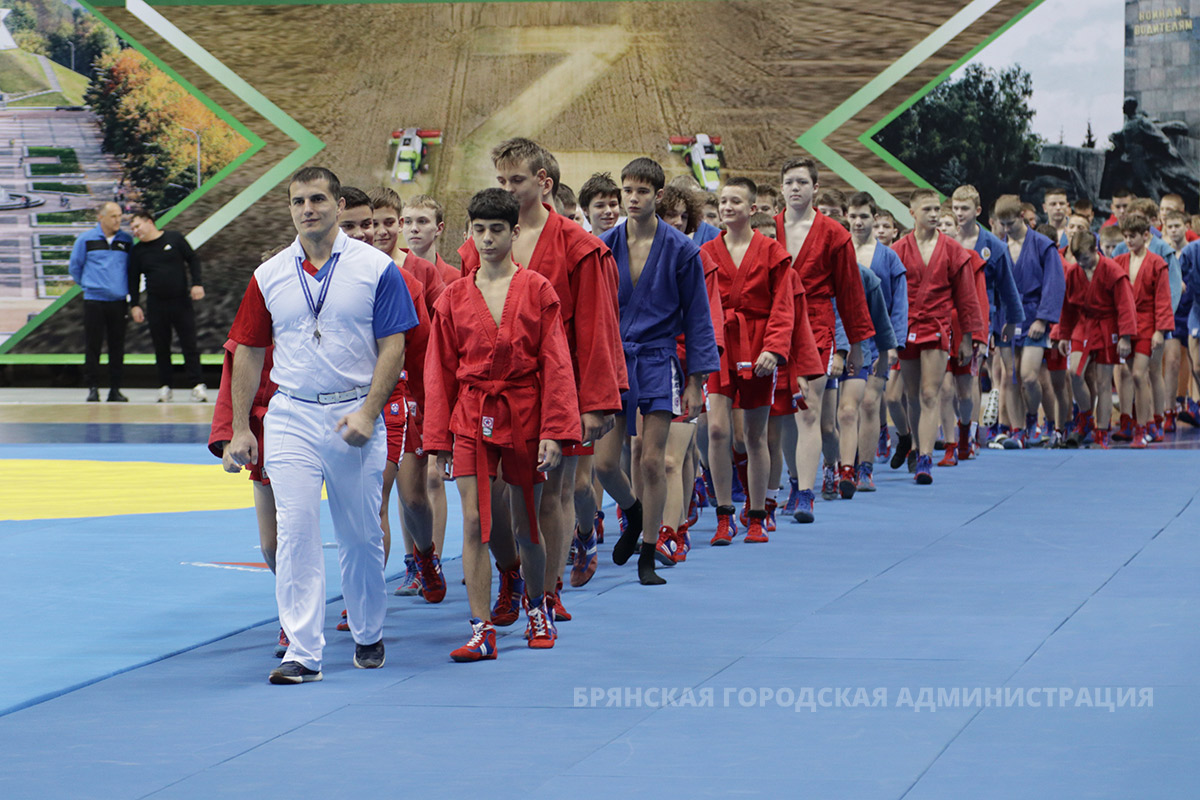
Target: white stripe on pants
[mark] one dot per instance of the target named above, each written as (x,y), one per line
(302,451)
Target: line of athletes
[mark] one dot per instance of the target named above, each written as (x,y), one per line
(782,330)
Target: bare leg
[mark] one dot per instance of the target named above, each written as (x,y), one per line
(1143,394)
(720,423)
(411,478)
(808,434)
(677,463)
(849,406)
(656,427)
(895,406)
(1158,389)
(533,554)
(436,489)
(829,430)
(1031,370)
(477,567)
(1103,380)
(585,497)
(556,516)
(759,459)
(264,509)
(868,418)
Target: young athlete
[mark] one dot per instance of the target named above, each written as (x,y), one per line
(680,209)
(1004,309)
(388,213)
(886,265)
(600,199)
(1152,297)
(1110,239)
(1175,235)
(832,203)
(500,391)
(886,229)
(583,274)
(757,295)
(1058,210)
(662,295)
(768,201)
(423,223)
(1038,271)
(940,278)
(824,259)
(218,444)
(1098,322)
(402,420)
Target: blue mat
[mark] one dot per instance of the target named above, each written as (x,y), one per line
(1012,574)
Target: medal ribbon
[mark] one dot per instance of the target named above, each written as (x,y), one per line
(315,307)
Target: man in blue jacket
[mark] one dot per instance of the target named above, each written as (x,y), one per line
(99,265)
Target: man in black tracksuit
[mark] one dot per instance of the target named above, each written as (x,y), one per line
(172,273)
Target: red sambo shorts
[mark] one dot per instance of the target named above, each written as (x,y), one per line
(752,392)
(497,457)
(402,418)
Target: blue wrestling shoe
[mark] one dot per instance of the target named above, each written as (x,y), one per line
(924,470)
(804,506)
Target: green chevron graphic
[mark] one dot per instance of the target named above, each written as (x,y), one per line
(813,140)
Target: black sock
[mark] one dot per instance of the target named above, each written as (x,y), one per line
(624,548)
(903,445)
(646,573)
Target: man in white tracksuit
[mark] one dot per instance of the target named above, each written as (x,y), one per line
(336,310)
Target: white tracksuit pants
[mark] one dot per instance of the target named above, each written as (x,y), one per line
(302,451)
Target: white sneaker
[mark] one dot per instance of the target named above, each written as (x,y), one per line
(200,393)
(165,394)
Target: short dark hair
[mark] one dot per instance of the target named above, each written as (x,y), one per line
(553,172)
(564,197)
(1122,191)
(646,170)
(356,198)
(768,190)
(1083,242)
(1083,204)
(600,184)
(1053,190)
(314,174)
(673,196)
(799,161)
(750,186)
(832,197)
(862,199)
(1135,223)
(139,212)
(1049,231)
(494,203)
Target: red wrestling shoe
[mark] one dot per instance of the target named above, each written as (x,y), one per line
(541,630)
(846,483)
(769,525)
(343,623)
(666,547)
(950,459)
(508,599)
(481,646)
(1139,438)
(683,543)
(754,531)
(726,527)
(433,582)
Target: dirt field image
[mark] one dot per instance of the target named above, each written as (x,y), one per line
(596,83)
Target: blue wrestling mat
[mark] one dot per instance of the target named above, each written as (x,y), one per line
(1026,627)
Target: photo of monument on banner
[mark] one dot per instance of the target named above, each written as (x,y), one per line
(1037,110)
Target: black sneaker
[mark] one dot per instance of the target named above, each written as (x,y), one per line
(293,672)
(369,656)
(93,395)
(115,396)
